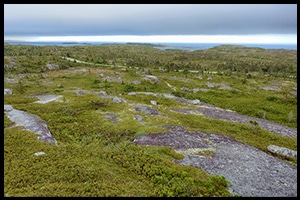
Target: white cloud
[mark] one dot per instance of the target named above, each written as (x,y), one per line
(232,39)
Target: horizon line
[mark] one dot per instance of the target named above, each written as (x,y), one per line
(233,39)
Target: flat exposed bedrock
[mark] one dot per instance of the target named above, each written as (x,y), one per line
(46,98)
(30,122)
(222,114)
(215,112)
(250,171)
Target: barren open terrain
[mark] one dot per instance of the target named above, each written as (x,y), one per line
(155,126)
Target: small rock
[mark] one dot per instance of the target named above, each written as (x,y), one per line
(138,117)
(118,100)
(112,117)
(114,79)
(185,89)
(11,80)
(8,91)
(282,150)
(147,110)
(225,87)
(273,88)
(79,93)
(102,93)
(152,79)
(211,85)
(136,82)
(209,78)
(39,153)
(8,108)
(195,90)
(195,102)
(52,66)
(203,89)
(101,75)
(153,102)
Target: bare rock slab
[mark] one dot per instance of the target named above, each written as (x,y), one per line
(46,98)
(30,122)
(252,172)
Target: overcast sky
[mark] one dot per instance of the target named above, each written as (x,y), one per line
(149,19)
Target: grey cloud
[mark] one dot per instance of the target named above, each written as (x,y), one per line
(152,19)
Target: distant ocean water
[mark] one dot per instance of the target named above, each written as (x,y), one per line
(182,46)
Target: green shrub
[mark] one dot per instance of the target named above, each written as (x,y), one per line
(95,156)
(129,88)
(170,151)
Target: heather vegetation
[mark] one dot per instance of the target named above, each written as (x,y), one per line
(95,155)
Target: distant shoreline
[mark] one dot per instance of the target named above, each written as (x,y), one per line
(161,46)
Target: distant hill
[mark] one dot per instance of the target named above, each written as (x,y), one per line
(146,44)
